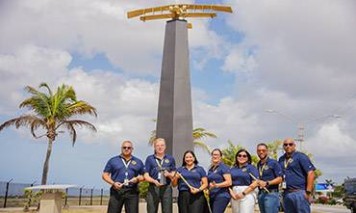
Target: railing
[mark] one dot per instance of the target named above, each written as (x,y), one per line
(13,195)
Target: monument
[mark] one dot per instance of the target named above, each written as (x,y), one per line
(174,121)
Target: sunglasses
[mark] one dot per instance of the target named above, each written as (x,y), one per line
(127,147)
(242,156)
(288,144)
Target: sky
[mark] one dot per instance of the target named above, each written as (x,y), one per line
(257,75)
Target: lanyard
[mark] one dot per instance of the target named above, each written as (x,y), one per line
(126,166)
(213,168)
(160,164)
(261,168)
(286,163)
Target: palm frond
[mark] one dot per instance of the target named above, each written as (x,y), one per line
(24,120)
(202,145)
(47,87)
(81,107)
(200,133)
(71,124)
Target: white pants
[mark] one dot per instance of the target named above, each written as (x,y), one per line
(245,204)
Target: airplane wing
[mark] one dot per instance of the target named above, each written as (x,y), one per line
(154,17)
(199,15)
(135,13)
(221,8)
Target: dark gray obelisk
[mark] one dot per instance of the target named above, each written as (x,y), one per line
(174,122)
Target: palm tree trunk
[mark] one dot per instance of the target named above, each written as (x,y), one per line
(46,163)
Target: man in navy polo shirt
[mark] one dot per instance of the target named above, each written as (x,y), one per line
(298,178)
(159,170)
(123,172)
(270,173)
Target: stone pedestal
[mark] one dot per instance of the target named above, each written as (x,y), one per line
(51,202)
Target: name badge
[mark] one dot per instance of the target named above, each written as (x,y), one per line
(159,175)
(284,185)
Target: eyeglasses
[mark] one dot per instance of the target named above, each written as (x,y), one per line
(288,144)
(127,147)
(242,156)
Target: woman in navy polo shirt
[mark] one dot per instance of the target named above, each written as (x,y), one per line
(219,182)
(243,182)
(191,180)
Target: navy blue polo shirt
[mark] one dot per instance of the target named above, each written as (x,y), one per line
(116,167)
(296,170)
(269,171)
(193,177)
(241,175)
(216,174)
(152,167)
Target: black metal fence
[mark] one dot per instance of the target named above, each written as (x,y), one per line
(13,195)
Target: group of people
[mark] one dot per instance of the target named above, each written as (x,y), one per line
(243,184)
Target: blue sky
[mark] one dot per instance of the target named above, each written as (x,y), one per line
(294,57)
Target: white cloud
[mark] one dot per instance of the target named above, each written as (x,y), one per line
(96,27)
(309,43)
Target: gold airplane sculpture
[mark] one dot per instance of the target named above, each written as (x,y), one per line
(179,11)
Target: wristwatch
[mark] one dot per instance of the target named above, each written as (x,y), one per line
(308,192)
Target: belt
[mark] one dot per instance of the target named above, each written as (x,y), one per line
(292,190)
(270,191)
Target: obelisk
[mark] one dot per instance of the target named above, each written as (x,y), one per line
(174,122)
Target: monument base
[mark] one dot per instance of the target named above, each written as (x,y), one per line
(51,202)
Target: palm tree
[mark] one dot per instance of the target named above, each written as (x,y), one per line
(274,147)
(51,112)
(229,154)
(198,134)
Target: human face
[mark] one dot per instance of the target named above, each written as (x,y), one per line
(262,152)
(289,146)
(126,149)
(242,158)
(189,159)
(215,157)
(160,147)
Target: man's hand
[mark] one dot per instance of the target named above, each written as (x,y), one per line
(308,196)
(262,183)
(133,180)
(170,175)
(158,184)
(117,185)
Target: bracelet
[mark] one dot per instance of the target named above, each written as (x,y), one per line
(267,183)
(243,193)
(308,192)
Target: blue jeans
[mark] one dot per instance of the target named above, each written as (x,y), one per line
(268,202)
(295,202)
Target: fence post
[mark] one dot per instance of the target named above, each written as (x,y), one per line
(7,192)
(66,198)
(101,196)
(91,196)
(80,195)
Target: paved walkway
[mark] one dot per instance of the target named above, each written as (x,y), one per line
(102,209)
